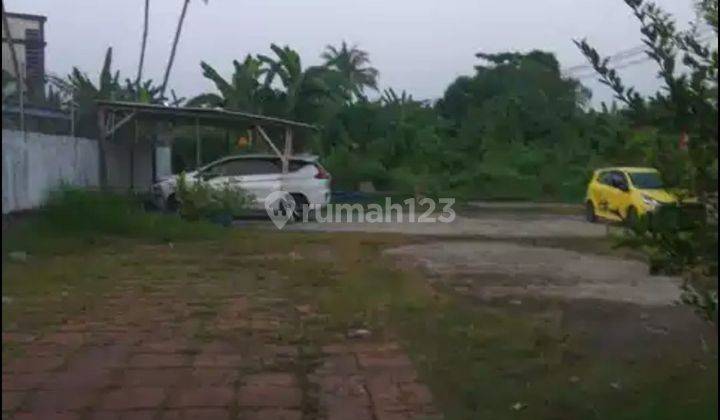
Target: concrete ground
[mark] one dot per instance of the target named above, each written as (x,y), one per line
(502,269)
(492,264)
(495,224)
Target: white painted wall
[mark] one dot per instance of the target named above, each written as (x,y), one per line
(34,166)
(39,163)
(163,161)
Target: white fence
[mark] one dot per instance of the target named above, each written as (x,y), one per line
(35,164)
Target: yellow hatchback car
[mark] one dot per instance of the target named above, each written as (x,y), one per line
(625,193)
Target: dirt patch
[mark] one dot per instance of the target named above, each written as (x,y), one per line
(498,269)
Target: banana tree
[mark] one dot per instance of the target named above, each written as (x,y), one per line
(242,92)
(80,89)
(305,91)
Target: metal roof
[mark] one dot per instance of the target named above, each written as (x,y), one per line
(197,113)
(37,111)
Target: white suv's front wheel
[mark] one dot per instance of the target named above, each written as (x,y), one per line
(301,207)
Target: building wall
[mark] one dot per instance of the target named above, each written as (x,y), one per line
(120,162)
(35,165)
(18,25)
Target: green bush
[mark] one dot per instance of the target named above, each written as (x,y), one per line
(349,170)
(199,201)
(75,211)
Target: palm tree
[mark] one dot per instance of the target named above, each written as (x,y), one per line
(242,92)
(353,64)
(173,50)
(304,90)
(143,44)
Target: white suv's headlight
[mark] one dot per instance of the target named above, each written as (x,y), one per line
(650,202)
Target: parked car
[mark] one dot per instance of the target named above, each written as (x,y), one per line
(627,193)
(257,175)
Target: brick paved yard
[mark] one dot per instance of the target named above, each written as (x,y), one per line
(208,345)
(258,325)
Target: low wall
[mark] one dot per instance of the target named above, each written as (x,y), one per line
(34,165)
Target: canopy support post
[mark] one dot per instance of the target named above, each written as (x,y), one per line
(132,155)
(198,145)
(102,164)
(265,137)
(288,150)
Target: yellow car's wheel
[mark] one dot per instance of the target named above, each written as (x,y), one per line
(631,217)
(590,215)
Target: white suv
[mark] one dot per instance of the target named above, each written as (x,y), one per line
(258,175)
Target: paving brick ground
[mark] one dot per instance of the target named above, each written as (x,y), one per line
(160,354)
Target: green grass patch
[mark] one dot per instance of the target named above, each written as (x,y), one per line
(481,360)
(74,219)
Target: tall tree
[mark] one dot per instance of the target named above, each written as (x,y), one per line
(173,50)
(143,44)
(354,65)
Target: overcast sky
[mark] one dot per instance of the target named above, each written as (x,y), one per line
(417,45)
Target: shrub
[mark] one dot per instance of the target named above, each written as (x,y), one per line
(676,241)
(198,200)
(77,212)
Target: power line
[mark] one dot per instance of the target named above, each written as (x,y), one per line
(619,67)
(618,59)
(615,57)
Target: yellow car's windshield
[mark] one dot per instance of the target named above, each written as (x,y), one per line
(646,180)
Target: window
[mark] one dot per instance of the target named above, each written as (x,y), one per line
(606,178)
(34,59)
(618,180)
(646,180)
(296,165)
(240,167)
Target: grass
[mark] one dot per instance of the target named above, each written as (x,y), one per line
(70,248)
(76,219)
(480,360)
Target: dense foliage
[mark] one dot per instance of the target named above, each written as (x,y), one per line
(514,127)
(687,104)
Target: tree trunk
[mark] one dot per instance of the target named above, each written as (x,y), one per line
(142,50)
(174,48)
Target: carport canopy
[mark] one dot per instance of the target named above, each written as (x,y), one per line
(112,115)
